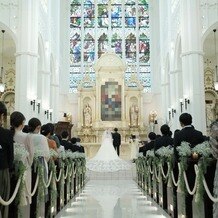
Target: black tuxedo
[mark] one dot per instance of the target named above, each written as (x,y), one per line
(6,149)
(188,134)
(116,141)
(194,137)
(164,140)
(75,148)
(65,143)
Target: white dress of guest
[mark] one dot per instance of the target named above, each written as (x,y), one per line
(106,159)
(24,140)
(41,147)
(214,145)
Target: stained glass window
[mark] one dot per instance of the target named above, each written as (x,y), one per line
(98,26)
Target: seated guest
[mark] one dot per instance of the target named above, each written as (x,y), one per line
(74,147)
(65,140)
(78,140)
(165,139)
(6,163)
(149,145)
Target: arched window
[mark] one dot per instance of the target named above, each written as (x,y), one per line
(107,25)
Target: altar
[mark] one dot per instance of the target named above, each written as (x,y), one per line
(110,102)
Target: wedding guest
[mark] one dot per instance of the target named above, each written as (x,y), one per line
(25,129)
(53,136)
(149,145)
(6,163)
(42,151)
(188,132)
(65,140)
(165,139)
(17,121)
(46,131)
(73,147)
(177,130)
(78,142)
(194,137)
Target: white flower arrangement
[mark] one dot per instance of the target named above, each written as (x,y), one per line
(62,154)
(38,153)
(20,153)
(74,155)
(165,151)
(150,153)
(184,149)
(53,153)
(203,149)
(140,154)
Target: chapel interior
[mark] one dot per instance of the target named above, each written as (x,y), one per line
(91,65)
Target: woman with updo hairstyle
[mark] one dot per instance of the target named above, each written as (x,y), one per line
(17,121)
(39,141)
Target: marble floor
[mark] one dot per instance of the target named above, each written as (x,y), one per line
(112,195)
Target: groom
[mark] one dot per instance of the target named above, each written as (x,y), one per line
(116,140)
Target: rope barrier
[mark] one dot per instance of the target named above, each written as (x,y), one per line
(162,171)
(59,177)
(49,180)
(149,168)
(186,182)
(35,187)
(173,178)
(6,203)
(155,172)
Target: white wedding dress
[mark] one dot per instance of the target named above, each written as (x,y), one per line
(106,159)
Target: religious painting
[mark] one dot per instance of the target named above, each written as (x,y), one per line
(111,101)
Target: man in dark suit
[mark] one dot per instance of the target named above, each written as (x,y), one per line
(149,145)
(74,146)
(194,137)
(188,132)
(65,140)
(78,140)
(6,163)
(116,140)
(165,139)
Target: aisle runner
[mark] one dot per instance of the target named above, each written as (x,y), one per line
(112,195)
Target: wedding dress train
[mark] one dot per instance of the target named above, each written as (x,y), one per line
(106,159)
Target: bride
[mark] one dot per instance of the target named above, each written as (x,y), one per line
(106,159)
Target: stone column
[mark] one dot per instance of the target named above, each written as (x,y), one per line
(26,57)
(192,61)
